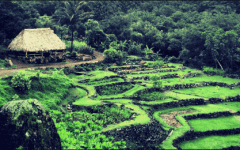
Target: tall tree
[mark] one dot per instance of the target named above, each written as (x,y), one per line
(71,14)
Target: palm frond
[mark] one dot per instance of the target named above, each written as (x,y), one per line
(69,8)
(84,15)
(80,5)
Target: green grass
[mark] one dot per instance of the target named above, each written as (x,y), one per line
(75,43)
(56,91)
(210,108)
(181,96)
(3,63)
(212,142)
(219,123)
(210,91)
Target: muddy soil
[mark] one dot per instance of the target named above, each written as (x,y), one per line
(71,62)
(171,120)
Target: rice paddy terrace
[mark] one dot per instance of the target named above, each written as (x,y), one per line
(192,111)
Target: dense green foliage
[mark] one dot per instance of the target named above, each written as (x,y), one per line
(79,135)
(103,81)
(212,70)
(196,33)
(115,89)
(21,82)
(156,64)
(151,96)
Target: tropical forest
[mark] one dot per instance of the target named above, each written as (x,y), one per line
(157,75)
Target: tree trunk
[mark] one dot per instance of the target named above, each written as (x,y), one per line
(72,42)
(214,59)
(219,64)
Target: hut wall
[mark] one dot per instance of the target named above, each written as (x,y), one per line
(39,53)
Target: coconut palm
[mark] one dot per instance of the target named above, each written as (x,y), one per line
(71,14)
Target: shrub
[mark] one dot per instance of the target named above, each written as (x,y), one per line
(135,49)
(68,53)
(153,56)
(159,63)
(3,52)
(61,72)
(88,50)
(211,70)
(156,64)
(79,68)
(121,57)
(110,54)
(66,71)
(172,59)
(74,54)
(20,82)
(85,49)
(15,97)
(156,81)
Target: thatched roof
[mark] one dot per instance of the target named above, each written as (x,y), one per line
(33,40)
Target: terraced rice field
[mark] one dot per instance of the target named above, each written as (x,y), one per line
(150,119)
(172,118)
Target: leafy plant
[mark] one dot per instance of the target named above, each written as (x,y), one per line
(15,97)
(156,64)
(122,44)
(61,72)
(108,90)
(147,50)
(135,49)
(68,53)
(114,45)
(211,70)
(172,59)
(157,83)
(85,49)
(181,78)
(74,54)
(38,74)
(21,82)
(85,133)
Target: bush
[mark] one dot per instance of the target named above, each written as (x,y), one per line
(66,71)
(85,49)
(20,82)
(156,64)
(166,58)
(153,56)
(173,59)
(74,54)
(157,83)
(135,49)
(79,68)
(3,52)
(110,54)
(88,50)
(67,53)
(212,70)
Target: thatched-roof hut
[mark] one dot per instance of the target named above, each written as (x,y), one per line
(33,40)
(36,42)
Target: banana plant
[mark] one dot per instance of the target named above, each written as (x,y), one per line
(147,50)
(114,44)
(122,44)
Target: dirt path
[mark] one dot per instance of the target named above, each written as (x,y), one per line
(171,120)
(22,66)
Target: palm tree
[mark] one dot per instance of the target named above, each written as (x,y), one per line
(71,14)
